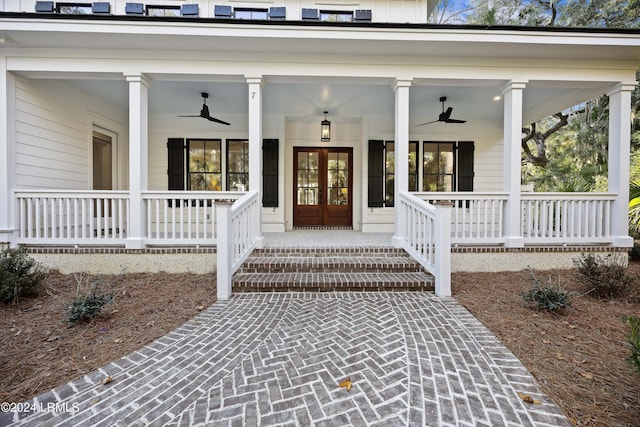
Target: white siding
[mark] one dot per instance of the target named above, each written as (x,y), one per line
(53,135)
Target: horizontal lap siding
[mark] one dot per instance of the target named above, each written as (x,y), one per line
(51,138)
(488,165)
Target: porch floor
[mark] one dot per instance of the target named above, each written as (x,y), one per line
(326,238)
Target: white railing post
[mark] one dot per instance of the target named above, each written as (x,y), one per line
(224,249)
(443,249)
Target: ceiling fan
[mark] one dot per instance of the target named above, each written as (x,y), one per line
(445,116)
(204,113)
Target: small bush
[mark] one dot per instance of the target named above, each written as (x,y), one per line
(634,341)
(604,276)
(87,304)
(551,297)
(20,275)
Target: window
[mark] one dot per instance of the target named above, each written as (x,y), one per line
(237,165)
(255,14)
(195,164)
(74,8)
(446,166)
(336,16)
(163,10)
(204,172)
(438,169)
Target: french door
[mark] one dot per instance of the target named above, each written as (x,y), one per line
(323,193)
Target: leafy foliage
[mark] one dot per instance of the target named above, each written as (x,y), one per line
(20,275)
(87,304)
(551,297)
(633,338)
(604,276)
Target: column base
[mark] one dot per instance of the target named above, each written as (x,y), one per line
(259,242)
(7,239)
(134,243)
(514,242)
(397,241)
(622,242)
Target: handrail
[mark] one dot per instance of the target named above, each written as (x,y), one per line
(426,236)
(238,232)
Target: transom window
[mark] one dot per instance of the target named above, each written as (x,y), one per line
(254,14)
(204,172)
(74,8)
(237,165)
(163,10)
(336,16)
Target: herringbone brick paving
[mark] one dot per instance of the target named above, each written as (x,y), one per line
(276,359)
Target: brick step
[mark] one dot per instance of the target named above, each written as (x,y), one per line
(338,264)
(332,281)
(356,251)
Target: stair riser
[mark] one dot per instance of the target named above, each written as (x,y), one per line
(347,269)
(353,287)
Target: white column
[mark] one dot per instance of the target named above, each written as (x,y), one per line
(512,161)
(619,151)
(7,156)
(401,139)
(255,146)
(138,158)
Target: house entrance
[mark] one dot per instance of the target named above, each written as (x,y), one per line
(323,186)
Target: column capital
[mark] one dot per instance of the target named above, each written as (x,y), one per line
(514,84)
(139,78)
(622,87)
(254,80)
(398,83)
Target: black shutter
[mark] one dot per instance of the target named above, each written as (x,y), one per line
(376,174)
(175,164)
(270,173)
(465,165)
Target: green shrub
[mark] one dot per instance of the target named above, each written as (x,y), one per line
(604,276)
(88,304)
(20,275)
(550,297)
(634,341)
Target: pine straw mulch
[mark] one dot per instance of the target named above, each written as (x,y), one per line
(41,350)
(578,358)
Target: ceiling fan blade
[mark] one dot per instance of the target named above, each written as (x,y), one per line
(213,119)
(455,121)
(447,113)
(428,123)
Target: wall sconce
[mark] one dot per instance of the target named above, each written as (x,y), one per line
(325,129)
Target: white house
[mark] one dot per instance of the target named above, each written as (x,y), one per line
(95,151)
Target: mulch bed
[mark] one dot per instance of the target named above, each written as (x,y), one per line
(578,358)
(41,350)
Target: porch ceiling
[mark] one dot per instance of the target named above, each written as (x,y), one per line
(354,95)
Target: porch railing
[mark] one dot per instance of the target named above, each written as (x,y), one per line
(545,218)
(183,217)
(425,230)
(238,230)
(72,217)
(566,217)
(476,218)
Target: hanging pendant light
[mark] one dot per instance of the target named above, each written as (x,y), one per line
(325,129)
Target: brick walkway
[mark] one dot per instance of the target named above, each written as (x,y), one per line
(277,359)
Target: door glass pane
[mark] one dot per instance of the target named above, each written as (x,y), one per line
(337,179)
(308,185)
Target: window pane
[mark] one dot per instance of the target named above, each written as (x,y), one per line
(390,167)
(331,16)
(75,9)
(204,165)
